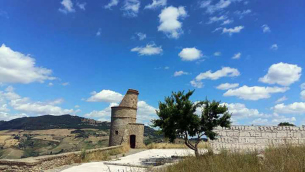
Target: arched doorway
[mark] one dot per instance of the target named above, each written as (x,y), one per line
(132,141)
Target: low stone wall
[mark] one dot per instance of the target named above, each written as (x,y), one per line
(239,137)
(35,164)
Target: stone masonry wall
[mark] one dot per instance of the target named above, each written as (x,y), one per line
(42,163)
(239,137)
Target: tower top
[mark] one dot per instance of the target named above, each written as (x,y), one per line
(130,99)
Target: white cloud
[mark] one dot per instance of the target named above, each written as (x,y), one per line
(294,108)
(99,31)
(227,86)
(144,114)
(260,121)
(65,84)
(223,72)
(282,73)
(196,84)
(25,105)
(111,4)
(217,29)
(284,98)
(266,28)
(103,115)
(230,31)
(190,54)
(82,6)
(255,92)
(155,4)
(105,96)
(302,95)
(16,67)
(216,19)
(274,47)
(50,84)
(241,14)
(141,36)
(67,6)
(302,86)
(179,73)
(148,50)
(228,21)
(222,4)
(169,21)
(236,56)
(7,117)
(131,8)
(240,110)
(278,119)
(217,53)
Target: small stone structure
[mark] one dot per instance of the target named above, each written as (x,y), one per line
(240,137)
(124,129)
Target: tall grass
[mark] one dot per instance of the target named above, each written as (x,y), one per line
(281,159)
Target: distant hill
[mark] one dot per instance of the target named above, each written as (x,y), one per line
(61,122)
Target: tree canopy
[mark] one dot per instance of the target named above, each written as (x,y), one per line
(285,124)
(178,118)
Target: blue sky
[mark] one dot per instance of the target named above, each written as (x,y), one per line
(80,57)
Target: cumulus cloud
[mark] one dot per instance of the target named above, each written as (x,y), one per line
(239,110)
(111,4)
(169,21)
(223,72)
(236,56)
(231,31)
(156,4)
(266,28)
(217,53)
(67,6)
(179,73)
(190,54)
(284,98)
(16,67)
(103,115)
(282,73)
(227,86)
(141,36)
(28,107)
(148,50)
(105,96)
(196,84)
(131,8)
(222,4)
(255,92)
(65,84)
(260,121)
(275,119)
(274,47)
(294,108)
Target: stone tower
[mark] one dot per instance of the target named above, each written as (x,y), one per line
(124,129)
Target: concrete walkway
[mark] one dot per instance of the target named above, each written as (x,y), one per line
(130,163)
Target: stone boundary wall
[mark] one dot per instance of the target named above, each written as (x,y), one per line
(241,137)
(41,163)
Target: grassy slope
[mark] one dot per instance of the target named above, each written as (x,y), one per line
(283,159)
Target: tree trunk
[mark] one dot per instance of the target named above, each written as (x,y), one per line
(196,151)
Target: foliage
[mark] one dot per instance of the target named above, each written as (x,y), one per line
(285,124)
(178,118)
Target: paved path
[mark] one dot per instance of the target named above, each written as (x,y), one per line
(129,163)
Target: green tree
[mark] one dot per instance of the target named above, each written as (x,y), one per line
(178,118)
(285,124)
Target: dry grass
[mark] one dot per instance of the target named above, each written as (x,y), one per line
(174,146)
(282,159)
(101,156)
